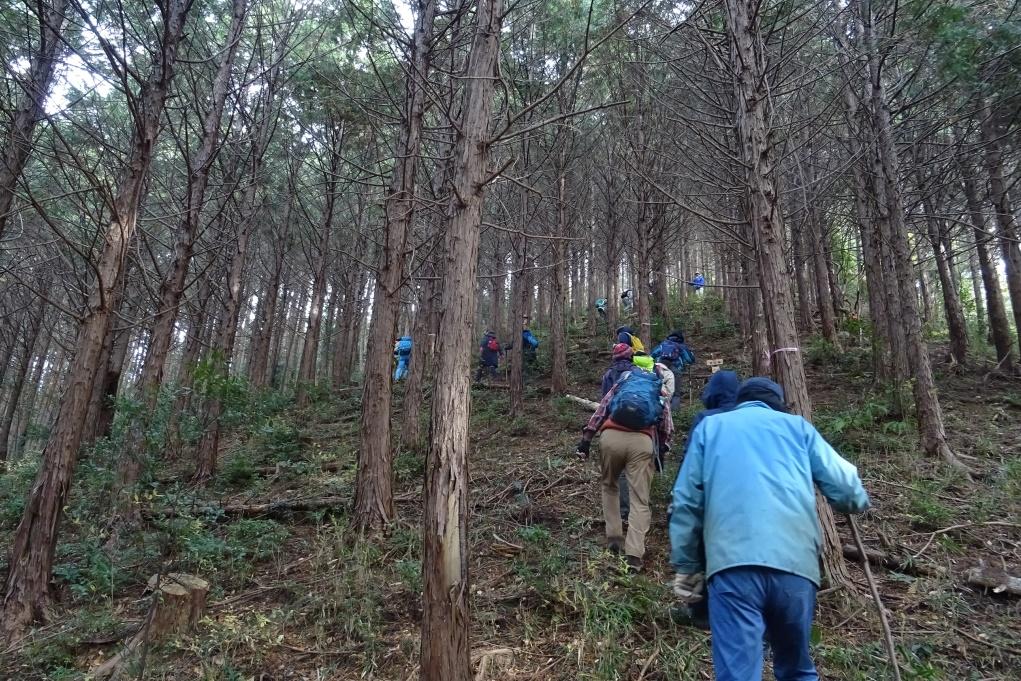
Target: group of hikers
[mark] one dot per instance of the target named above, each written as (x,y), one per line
(491,352)
(742,520)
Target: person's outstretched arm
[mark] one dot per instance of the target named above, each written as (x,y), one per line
(836,477)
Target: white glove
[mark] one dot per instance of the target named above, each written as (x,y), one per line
(689,589)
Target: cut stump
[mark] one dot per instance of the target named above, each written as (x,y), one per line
(178,603)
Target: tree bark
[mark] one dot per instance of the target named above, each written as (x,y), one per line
(373,506)
(35,87)
(26,589)
(446,617)
(754,126)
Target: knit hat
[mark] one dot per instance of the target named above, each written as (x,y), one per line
(622,351)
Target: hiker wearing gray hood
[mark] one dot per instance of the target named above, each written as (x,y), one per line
(744,519)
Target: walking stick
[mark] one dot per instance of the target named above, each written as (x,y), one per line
(891,649)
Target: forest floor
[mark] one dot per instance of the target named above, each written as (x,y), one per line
(294,597)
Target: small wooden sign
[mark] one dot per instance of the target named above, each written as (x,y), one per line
(714,364)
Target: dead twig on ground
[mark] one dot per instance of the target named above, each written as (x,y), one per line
(891,648)
(962,526)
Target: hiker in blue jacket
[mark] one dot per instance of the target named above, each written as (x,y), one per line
(698,283)
(529,345)
(489,355)
(675,355)
(744,518)
(402,353)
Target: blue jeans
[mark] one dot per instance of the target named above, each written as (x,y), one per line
(747,604)
(402,368)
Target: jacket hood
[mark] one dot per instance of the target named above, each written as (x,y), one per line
(762,389)
(676,336)
(721,391)
(624,329)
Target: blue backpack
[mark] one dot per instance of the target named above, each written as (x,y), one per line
(636,402)
(667,351)
(530,339)
(687,356)
(404,347)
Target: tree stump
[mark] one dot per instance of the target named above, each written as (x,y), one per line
(178,604)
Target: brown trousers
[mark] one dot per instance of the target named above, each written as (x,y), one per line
(632,453)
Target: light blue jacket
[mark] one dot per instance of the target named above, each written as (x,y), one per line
(746,488)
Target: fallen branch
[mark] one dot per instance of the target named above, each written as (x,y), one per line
(583,402)
(994,579)
(270,509)
(996,646)
(962,526)
(889,562)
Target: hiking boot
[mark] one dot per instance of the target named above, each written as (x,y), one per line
(615,545)
(634,564)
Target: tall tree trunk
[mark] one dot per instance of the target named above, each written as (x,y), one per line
(28,413)
(310,350)
(373,506)
(806,323)
(951,297)
(998,324)
(1006,223)
(29,340)
(27,594)
(35,87)
(265,321)
(754,126)
(520,294)
(424,336)
(558,291)
(889,199)
(446,617)
(172,288)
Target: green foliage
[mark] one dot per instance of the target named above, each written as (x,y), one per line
(93,572)
(534,534)
(251,539)
(926,509)
(409,467)
(13,485)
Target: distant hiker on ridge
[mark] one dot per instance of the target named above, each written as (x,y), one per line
(698,283)
(744,517)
